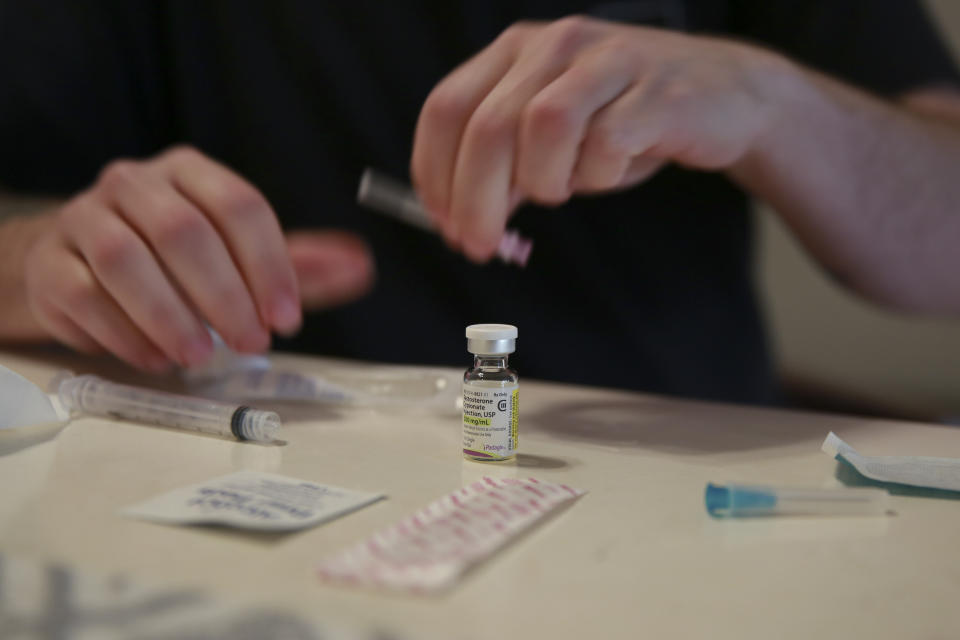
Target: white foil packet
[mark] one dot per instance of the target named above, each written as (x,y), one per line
(917,471)
(428,551)
(252,500)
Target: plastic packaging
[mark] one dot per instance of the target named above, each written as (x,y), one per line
(235,377)
(915,471)
(429,550)
(386,387)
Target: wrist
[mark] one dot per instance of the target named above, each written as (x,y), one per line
(785,93)
(18,235)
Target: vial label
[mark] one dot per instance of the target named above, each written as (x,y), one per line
(490,416)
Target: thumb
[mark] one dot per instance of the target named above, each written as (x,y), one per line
(333,267)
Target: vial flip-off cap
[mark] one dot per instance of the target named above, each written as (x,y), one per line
(384,194)
(491,339)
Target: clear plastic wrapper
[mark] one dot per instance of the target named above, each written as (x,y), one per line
(233,377)
(387,387)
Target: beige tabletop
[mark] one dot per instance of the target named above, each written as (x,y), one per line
(637,556)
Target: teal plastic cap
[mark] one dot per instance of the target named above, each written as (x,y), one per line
(735,500)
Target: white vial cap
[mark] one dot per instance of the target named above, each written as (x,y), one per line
(491,339)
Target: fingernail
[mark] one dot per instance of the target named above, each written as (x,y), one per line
(285,315)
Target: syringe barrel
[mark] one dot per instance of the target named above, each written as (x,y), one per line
(94,395)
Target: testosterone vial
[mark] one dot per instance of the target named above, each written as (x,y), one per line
(491,395)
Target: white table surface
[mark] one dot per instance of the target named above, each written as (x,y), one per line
(636,557)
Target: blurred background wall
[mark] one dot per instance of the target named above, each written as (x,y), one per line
(840,352)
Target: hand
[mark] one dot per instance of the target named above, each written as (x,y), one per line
(333,267)
(139,262)
(581,106)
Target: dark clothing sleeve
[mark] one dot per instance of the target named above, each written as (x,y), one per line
(885,46)
(80,85)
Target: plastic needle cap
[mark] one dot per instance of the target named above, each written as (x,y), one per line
(747,500)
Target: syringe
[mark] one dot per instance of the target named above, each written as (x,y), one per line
(90,394)
(386,195)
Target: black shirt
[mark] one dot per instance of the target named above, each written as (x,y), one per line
(648,289)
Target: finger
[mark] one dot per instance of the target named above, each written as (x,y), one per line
(617,133)
(640,169)
(41,267)
(86,317)
(554,123)
(445,114)
(485,162)
(60,326)
(249,229)
(333,268)
(189,248)
(123,265)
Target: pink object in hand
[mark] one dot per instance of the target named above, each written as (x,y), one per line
(514,248)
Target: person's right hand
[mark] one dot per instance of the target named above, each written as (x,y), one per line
(583,106)
(139,262)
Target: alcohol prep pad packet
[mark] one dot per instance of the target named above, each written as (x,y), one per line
(252,500)
(917,471)
(428,551)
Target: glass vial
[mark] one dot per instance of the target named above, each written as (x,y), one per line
(491,397)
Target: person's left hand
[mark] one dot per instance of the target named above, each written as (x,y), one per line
(579,106)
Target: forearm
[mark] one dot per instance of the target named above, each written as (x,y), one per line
(17,235)
(871,189)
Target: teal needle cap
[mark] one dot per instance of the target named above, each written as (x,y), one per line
(734,500)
